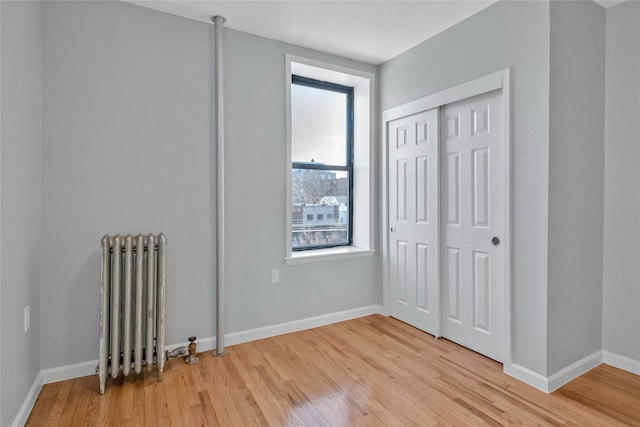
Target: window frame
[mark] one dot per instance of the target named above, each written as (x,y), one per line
(349,158)
(364,81)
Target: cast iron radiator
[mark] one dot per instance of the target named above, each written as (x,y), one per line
(132,305)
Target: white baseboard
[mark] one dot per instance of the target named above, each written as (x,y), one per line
(83,369)
(300,325)
(527,376)
(62,373)
(29,401)
(574,370)
(621,362)
(209,343)
(553,382)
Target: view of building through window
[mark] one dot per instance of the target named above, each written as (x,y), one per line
(320,214)
(322,169)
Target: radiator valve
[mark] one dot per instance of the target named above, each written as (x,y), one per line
(192,358)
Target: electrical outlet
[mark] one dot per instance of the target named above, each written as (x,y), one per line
(27,318)
(275,276)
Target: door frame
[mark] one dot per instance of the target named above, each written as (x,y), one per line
(497,80)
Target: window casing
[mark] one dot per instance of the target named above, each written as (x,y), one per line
(365,161)
(319,186)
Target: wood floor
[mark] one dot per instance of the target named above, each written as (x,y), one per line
(372,371)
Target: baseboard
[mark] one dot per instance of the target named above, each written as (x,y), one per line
(553,382)
(83,369)
(62,373)
(574,370)
(300,325)
(621,362)
(29,401)
(209,343)
(527,376)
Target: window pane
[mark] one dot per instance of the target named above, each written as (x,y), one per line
(320,208)
(318,125)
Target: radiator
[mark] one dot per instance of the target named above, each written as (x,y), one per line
(132,305)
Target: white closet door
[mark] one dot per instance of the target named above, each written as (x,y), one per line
(472,223)
(413,220)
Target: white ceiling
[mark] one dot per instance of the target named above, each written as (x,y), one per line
(368,31)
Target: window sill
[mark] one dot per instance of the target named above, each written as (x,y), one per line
(330,254)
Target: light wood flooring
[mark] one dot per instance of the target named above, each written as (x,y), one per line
(372,371)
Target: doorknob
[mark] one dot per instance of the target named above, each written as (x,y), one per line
(393,229)
(495,241)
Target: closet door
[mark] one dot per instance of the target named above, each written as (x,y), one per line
(413,220)
(472,223)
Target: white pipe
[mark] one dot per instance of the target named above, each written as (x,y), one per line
(219,130)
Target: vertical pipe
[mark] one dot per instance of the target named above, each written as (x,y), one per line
(219,131)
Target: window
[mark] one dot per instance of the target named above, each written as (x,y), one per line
(354,211)
(322,162)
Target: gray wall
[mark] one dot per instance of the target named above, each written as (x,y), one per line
(126,135)
(126,148)
(576,182)
(21,194)
(256,171)
(621,283)
(506,34)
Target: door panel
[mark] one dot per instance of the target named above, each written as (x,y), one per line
(472,205)
(422,189)
(401,272)
(422,266)
(452,189)
(482,291)
(414,222)
(480,188)
(452,283)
